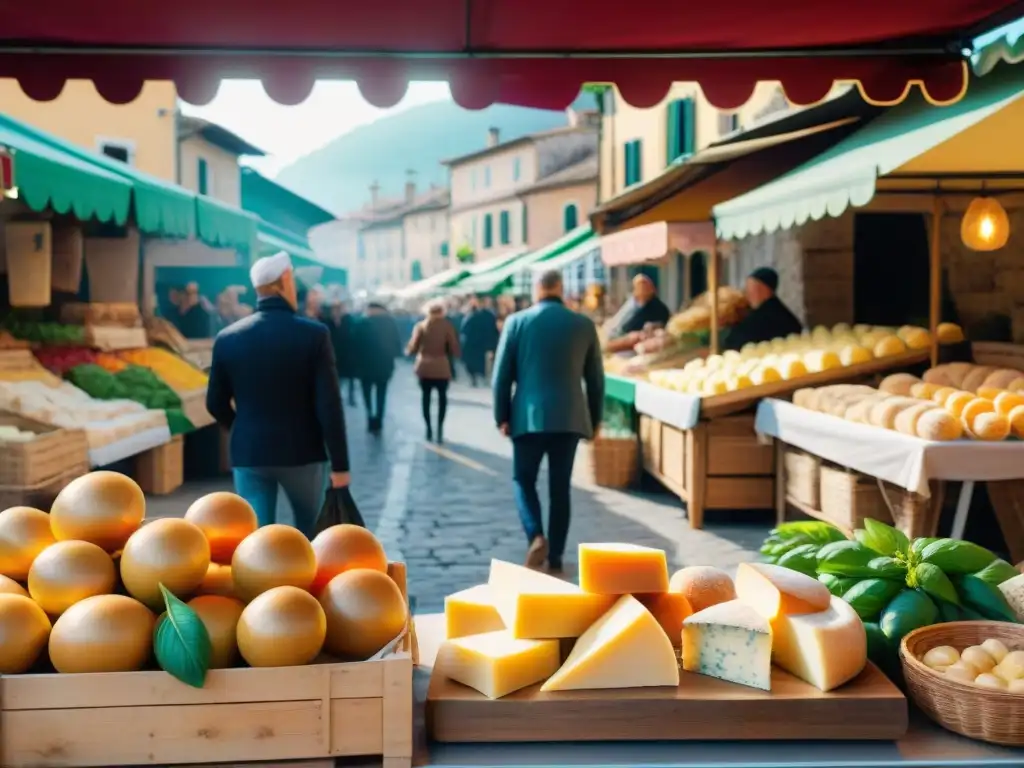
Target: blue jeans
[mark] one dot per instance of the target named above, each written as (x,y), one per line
(528,451)
(305,486)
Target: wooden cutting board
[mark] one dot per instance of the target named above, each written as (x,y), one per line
(702,708)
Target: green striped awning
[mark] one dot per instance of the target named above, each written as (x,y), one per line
(495,281)
(220,225)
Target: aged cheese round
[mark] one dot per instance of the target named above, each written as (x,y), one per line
(703,586)
(898,384)
(1005,402)
(924,390)
(852,354)
(990,426)
(888,346)
(972,410)
(939,424)
(956,403)
(883,414)
(906,420)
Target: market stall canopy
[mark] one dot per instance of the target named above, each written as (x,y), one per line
(479,268)
(653,242)
(496,280)
(529,52)
(432,284)
(220,225)
(905,149)
(50,173)
(271,239)
(576,253)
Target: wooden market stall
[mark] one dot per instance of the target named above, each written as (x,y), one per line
(960,168)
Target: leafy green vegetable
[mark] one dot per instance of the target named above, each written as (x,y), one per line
(984,598)
(846,558)
(909,610)
(814,530)
(955,556)
(933,581)
(181,643)
(882,538)
(801,558)
(883,652)
(837,585)
(888,568)
(996,572)
(870,596)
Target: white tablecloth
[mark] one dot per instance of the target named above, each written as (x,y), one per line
(666,405)
(906,461)
(136,444)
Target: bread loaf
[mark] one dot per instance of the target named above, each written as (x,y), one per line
(938,424)
(990,426)
(939,375)
(1007,401)
(942,394)
(957,372)
(803,397)
(765,374)
(906,420)
(976,377)
(923,390)
(1016,419)
(860,411)
(916,338)
(792,367)
(956,403)
(949,333)
(989,393)
(889,346)
(898,384)
(1002,378)
(883,413)
(852,354)
(972,410)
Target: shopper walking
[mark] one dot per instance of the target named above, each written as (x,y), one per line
(435,344)
(343,339)
(545,357)
(377,346)
(479,339)
(273,385)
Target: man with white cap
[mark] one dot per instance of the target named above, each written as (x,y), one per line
(273,384)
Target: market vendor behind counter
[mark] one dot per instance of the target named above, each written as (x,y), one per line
(769,318)
(645,308)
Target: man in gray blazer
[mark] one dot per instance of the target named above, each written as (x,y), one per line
(545,356)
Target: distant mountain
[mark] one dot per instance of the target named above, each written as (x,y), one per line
(338,175)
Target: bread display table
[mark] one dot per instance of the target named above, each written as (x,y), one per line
(916,465)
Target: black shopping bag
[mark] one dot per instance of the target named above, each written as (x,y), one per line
(339,507)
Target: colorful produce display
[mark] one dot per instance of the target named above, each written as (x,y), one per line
(108,594)
(134,383)
(64,405)
(988,665)
(896,585)
(39,332)
(7,341)
(61,359)
(795,356)
(178,374)
(626,618)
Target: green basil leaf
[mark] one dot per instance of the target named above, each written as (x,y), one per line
(814,530)
(181,643)
(956,556)
(984,598)
(996,572)
(888,568)
(930,578)
(837,585)
(802,559)
(846,558)
(869,596)
(882,538)
(948,611)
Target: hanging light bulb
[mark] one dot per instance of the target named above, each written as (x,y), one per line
(985,226)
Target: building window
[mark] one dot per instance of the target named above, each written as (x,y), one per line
(444,250)
(488,230)
(504,228)
(526,230)
(681,133)
(472,180)
(416,273)
(570,217)
(517,168)
(473,233)
(633,162)
(487,176)
(727,123)
(122,150)
(203,177)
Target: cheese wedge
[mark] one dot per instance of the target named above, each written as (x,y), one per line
(669,609)
(495,663)
(730,641)
(625,648)
(774,591)
(622,569)
(1013,591)
(534,605)
(825,649)
(471,612)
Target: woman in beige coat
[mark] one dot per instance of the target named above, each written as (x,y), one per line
(435,343)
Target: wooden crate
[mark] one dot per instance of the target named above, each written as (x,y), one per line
(193,405)
(110,338)
(161,470)
(316,713)
(719,464)
(849,498)
(40,495)
(124,315)
(802,477)
(50,455)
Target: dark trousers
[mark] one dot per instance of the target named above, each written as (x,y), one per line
(375,396)
(428,386)
(528,451)
(351,393)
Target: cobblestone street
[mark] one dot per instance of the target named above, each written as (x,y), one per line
(447,510)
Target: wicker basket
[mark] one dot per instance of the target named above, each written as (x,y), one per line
(993,716)
(44,459)
(803,477)
(848,498)
(611,462)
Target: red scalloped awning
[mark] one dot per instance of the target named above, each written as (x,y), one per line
(529,52)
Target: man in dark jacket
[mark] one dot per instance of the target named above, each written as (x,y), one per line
(645,308)
(479,338)
(343,339)
(378,344)
(770,318)
(273,384)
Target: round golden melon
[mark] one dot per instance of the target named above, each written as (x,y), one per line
(68,572)
(365,611)
(225,518)
(106,633)
(171,552)
(24,630)
(343,548)
(104,508)
(24,533)
(220,616)
(273,556)
(281,627)
(218,581)
(9,586)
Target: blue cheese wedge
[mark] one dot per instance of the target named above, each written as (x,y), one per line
(730,641)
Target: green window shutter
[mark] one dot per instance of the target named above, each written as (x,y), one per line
(689,127)
(634,162)
(526,230)
(638,161)
(444,249)
(488,230)
(504,225)
(570,217)
(202,174)
(416,273)
(672,132)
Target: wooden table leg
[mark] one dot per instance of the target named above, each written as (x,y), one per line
(963,507)
(696,473)
(1007,499)
(780,482)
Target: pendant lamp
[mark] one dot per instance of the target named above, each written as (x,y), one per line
(985,226)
